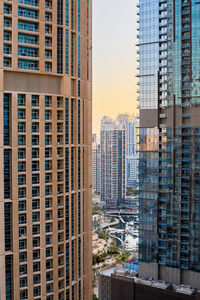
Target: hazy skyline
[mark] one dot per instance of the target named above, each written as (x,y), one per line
(114,59)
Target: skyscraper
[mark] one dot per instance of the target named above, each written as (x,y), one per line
(45,149)
(113,163)
(132,155)
(96,165)
(169,140)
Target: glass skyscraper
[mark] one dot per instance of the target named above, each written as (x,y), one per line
(169,97)
(45,149)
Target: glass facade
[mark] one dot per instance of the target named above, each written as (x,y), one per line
(169,160)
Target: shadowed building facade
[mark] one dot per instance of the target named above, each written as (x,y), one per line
(45,149)
(169,176)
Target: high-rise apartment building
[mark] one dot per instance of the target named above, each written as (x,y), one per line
(45,149)
(132,155)
(94,163)
(96,166)
(113,162)
(169,96)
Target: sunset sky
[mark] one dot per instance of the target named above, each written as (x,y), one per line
(114,59)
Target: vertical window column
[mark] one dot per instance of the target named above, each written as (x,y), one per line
(66,51)
(6,118)
(7,173)
(59,50)
(9,276)
(79,56)
(8,225)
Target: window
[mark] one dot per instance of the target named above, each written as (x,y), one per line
(28,26)
(7,9)
(48,101)
(48,16)
(49,276)
(35,100)
(36,291)
(22,257)
(35,178)
(36,242)
(21,113)
(48,152)
(22,205)
(48,239)
(21,153)
(27,39)
(48,54)
(35,204)
(48,215)
(36,279)
(36,267)
(48,227)
(48,127)
(48,178)
(7,62)
(48,140)
(36,254)
(7,49)
(49,264)
(48,114)
(48,165)
(48,29)
(27,51)
(67,12)
(29,2)
(35,140)
(23,294)
(35,153)
(35,191)
(7,36)
(35,127)
(21,140)
(48,190)
(22,218)
(35,114)
(35,217)
(36,229)
(7,22)
(48,66)
(48,41)
(22,232)
(21,166)
(21,127)
(48,4)
(28,13)
(21,99)
(35,166)
(21,179)
(22,192)
(48,202)
(28,64)
(49,252)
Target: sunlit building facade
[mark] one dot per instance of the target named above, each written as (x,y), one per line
(169,125)
(96,165)
(113,162)
(45,149)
